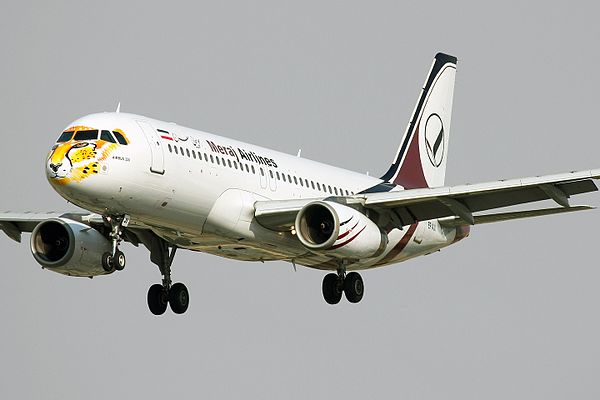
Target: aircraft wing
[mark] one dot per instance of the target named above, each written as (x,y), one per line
(15,223)
(408,206)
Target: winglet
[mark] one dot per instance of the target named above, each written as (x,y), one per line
(118,108)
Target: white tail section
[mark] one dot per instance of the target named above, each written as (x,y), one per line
(421,158)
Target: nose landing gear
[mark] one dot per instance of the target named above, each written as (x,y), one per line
(115,260)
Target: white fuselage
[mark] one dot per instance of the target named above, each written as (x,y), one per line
(198,190)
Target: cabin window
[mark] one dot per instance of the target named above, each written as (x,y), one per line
(65,136)
(283,176)
(188,152)
(229,163)
(235,165)
(330,191)
(176,151)
(301,184)
(312,184)
(318,186)
(212,160)
(262,173)
(277,173)
(271,174)
(253,171)
(182,152)
(223,159)
(247,169)
(295,180)
(87,135)
(335,190)
(170,148)
(194,154)
(120,138)
(107,137)
(289,178)
(218,161)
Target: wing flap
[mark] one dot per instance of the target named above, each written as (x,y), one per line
(12,230)
(424,204)
(453,222)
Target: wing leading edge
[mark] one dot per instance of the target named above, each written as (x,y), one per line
(14,224)
(409,206)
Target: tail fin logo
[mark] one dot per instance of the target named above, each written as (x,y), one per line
(434,139)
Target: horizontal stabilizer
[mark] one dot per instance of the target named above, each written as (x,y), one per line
(452,222)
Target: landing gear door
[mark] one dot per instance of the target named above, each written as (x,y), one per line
(157,163)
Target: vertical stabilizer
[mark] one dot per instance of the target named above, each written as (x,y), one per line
(421,158)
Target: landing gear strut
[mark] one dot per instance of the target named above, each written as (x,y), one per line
(159,295)
(350,284)
(115,260)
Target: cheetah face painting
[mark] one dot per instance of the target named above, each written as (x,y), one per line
(74,161)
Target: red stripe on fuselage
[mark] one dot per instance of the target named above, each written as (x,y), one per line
(400,246)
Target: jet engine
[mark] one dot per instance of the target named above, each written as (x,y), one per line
(330,228)
(69,247)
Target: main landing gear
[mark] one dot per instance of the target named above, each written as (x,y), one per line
(161,253)
(159,295)
(350,284)
(115,260)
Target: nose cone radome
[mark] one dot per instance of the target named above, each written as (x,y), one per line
(71,162)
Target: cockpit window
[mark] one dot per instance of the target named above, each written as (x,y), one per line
(87,135)
(65,137)
(107,137)
(120,138)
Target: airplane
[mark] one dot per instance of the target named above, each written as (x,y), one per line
(168,187)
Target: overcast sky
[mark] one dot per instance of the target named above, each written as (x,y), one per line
(511,312)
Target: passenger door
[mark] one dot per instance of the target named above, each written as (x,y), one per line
(157,163)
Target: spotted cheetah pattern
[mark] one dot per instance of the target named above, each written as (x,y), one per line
(75,161)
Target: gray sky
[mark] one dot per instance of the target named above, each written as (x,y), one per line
(511,312)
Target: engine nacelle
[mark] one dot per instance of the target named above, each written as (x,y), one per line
(325,227)
(69,247)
